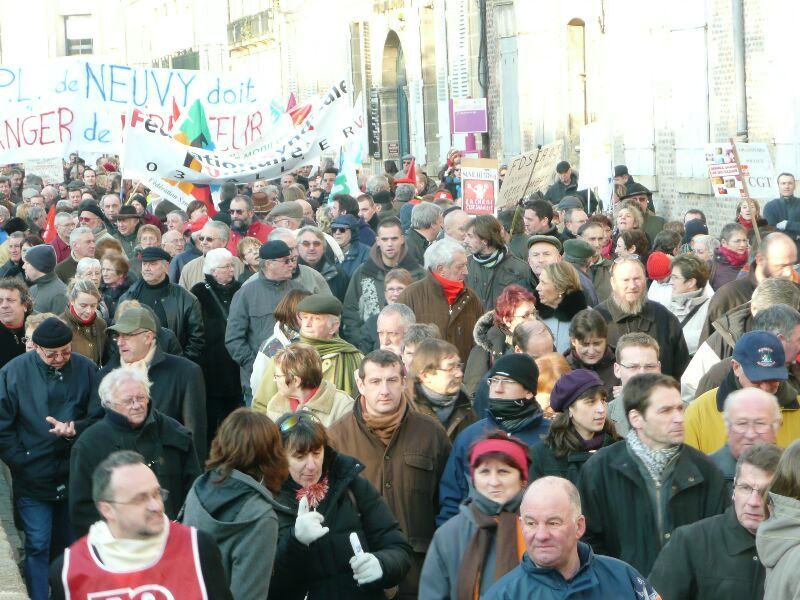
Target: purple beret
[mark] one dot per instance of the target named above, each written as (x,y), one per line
(570,386)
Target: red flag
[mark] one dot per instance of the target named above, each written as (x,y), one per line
(291,103)
(411,175)
(50,229)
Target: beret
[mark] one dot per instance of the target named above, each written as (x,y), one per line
(320,304)
(52,333)
(570,386)
(274,249)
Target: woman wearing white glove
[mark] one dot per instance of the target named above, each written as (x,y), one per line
(326,500)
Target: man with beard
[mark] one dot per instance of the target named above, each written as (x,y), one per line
(244,223)
(638,491)
(628,310)
(365,295)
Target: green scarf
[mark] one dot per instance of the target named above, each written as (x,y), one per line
(347,361)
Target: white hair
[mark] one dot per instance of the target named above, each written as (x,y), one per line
(215,258)
(405,313)
(111,382)
(86,263)
(63,217)
(77,233)
(751,394)
(442,252)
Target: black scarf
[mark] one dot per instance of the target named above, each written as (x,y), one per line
(514,415)
(442,404)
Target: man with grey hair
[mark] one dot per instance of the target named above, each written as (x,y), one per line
(173,242)
(64,223)
(752,416)
(426,225)
(312,248)
(13,266)
(130,423)
(214,234)
(442,297)
(49,193)
(455,225)
(82,244)
(37,220)
(110,204)
(404,202)
(415,334)
(308,278)
(393,323)
(377,184)
(555,560)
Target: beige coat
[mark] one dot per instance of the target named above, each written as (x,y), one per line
(192,273)
(327,404)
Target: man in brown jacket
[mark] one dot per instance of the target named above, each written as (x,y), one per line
(442,298)
(404,452)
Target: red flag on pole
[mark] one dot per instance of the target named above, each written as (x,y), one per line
(50,229)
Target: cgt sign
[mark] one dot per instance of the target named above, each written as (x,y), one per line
(757,170)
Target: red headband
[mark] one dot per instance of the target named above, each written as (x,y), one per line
(511,449)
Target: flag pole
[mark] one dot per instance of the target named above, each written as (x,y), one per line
(746,191)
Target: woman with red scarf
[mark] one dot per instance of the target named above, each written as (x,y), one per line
(88,328)
(745,219)
(731,256)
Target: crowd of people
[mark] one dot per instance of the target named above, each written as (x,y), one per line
(308,394)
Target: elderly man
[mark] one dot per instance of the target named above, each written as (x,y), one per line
(383,431)
(416,334)
(176,309)
(44,400)
(455,224)
(171,560)
(310,280)
(643,198)
(491,266)
(13,266)
(48,292)
(15,304)
(716,558)
(621,484)
(82,242)
(572,216)
(319,317)
(173,243)
(214,234)
(177,220)
(392,324)
(426,224)
(90,215)
(442,297)
(128,223)
(130,423)
(752,416)
(65,224)
(758,362)
(543,250)
(628,310)
(556,564)
(312,247)
(251,319)
(178,389)
(244,223)
(635,353)
(288,215)
(111,205)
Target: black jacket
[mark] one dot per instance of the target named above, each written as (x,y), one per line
(544,462)
(727,297)
(713,559)
(604,368)
(178,391)
(30,391)
(335,277)
(111,295)
(322,570)
(183,317)
(416,244)
(487,283)
(623,517)
(11,344)
(167,449)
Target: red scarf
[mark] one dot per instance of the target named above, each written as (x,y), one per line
(450,288)
(737,259)
(295,403)
(86,323)
(744,222)
(606,251)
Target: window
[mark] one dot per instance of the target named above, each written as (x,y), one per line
(78,35)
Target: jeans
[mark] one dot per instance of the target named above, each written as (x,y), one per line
(47,534)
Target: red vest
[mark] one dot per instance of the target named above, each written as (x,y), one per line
(170,578)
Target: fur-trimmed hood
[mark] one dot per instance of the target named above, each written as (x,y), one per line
(489,336)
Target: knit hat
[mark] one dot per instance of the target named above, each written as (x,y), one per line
(154,253)
(512,450)
(693,228)
(519,367)
(659,266)
(134,319)
(320,304)
(274,249)
(42,257)
(579,249)
(348,221)
(571,385)
(52,333)
(761,356)
(287,209)
(548,239)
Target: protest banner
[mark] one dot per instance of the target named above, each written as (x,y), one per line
(544,171)
(596,171)
(72,104)
(50,169)
(756,168)
(520,170)
(479,185)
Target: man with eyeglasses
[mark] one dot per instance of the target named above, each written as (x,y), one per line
(81,241)
(343,228)
(244,223)
(134,548)
(90,215)
(176,308)
(287,215)
(65,224)
(512,408)
(130,422)
(758,362)
(213,235)
(716,558)
(635,353)
(44,404)
(312,247)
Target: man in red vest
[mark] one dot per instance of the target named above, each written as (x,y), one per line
(135,551)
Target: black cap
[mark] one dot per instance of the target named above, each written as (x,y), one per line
(52,333)
(154,253)
(621,170)
(562,167)
(15,224)
(274,249)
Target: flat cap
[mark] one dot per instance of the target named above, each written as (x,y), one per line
(579,249)
(320,304)
(547,239)
(154,253)
(274,249)
(635,189)
(287,209)
(568,202)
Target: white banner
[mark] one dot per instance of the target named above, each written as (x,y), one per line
(757,170)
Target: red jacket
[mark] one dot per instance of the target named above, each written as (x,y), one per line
(257,229)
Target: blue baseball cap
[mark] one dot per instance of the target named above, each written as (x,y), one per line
(761,356)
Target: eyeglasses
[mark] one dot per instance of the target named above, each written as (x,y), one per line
(228,266)
(286,261)
(647,367)
(128,402)
(124,336)
(206,238)
(142,499)
(456,367)
(745,489)
(500,380)
(757,426)
(308,244)
(66,353)
(292,421)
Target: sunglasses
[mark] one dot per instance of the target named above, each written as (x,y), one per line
(339,229)
(296,418)
(204,238)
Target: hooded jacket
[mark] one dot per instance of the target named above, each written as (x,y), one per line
(49,294)
(778,544)
(490,344)
(239,513)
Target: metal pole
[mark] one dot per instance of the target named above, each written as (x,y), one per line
(750,204)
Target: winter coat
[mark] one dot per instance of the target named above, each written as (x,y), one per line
(167,449)
(11,343)
(49,294)
(177,391)
(183,317)
(653,225)
(456,322)
(490,344)
(220,371)
(600,273)
(365,293)
(713,559)
(111,295)
(128,243)
(30,391)
(257,229)
(192,273)
(333,274)
(544,462)
(66,269)
(416,244)
(87,340)
(695,310)
(778,544)
(722,271)
(559,318)
(556,192)
(785,209)
(251,320)
(656,321)
(604,368)
(181,260)
(487,283)
(587,288)
(327,404)
(322,570)
(462,417)
(12,269)
(239,513)
(454,487)
(727,297)
(405,472)
(356,254)
(366,234)
(598,578)
(629,517)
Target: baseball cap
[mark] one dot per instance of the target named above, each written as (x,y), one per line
(761,355)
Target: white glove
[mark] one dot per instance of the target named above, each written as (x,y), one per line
(366,568)
(782,225)
(308,526)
